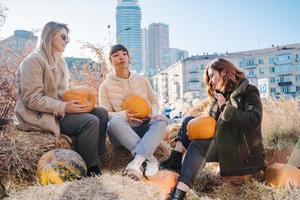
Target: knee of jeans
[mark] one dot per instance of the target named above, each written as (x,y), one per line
(94,120)
(115,122)
(161,123)
(187,119)
(104,114)
(198,145)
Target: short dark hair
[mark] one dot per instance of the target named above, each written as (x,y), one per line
(116,48)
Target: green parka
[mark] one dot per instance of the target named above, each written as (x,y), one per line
(238,139)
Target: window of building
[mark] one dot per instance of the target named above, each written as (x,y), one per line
(284,68)
(272,80)
(272,69)
(241,64)
(273,90)
(261,71)
(251,73)
(283,58)
(298,68)
(297,88)
(202,66)
(194,78)
(271,60)
(285,89)
(297,77)
(261,61)
(281,79)
(194,69)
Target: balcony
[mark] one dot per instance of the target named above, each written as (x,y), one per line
(287,83)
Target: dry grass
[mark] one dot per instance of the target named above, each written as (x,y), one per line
(281,124)
(107,186)
(19,154)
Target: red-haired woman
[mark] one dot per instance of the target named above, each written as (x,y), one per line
(237,145)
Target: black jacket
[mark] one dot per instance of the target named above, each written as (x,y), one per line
(238,134)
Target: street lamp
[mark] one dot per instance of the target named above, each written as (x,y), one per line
(120,31)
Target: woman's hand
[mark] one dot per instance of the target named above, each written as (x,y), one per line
(74,106)
(221,99)
(133,116)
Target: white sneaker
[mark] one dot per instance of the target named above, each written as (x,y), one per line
(133,169)
(152,167)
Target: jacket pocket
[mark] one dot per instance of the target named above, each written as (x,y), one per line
(244,150)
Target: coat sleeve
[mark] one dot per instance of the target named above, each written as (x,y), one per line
(32,87)
(152,98)
(105,102)
(251,115)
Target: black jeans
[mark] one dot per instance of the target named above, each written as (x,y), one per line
(89,129)
(198,153)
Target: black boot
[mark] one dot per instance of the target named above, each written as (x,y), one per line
(177,194)
(94,170)
(173,162)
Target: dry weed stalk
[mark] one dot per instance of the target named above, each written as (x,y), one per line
(96,75)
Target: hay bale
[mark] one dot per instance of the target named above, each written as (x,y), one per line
(107,186)
(19,154)
(117,158)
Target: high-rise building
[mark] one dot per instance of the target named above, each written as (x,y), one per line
(145,60)
(128,33)
(158,47)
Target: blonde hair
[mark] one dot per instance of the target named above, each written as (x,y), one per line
(45,43)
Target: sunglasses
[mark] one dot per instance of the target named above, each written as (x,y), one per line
(65,38)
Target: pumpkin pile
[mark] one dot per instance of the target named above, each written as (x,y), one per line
(201,128)
(137,104)
(60,165)
(83,94)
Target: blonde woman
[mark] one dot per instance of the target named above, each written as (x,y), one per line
(42,78)
(140,136)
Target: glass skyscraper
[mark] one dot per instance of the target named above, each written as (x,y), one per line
(128,18)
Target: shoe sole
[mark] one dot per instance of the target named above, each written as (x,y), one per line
(133,174)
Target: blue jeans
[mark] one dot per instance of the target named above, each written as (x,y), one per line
(198,152)
(142,140)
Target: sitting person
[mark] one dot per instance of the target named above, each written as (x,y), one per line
(237,144)
(42,78)
(140,136)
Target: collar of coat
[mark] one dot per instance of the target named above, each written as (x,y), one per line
(240,89)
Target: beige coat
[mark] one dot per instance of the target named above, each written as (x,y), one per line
(40,88)
(115,90)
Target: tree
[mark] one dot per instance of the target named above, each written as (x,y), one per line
(3,10)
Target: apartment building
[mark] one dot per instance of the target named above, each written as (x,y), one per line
(274,71)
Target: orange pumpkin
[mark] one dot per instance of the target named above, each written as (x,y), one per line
(83,94)
(137,104)
(60,165)
(166,180)
(282,175)
(201,128)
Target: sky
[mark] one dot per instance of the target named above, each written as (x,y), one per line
(194,25)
